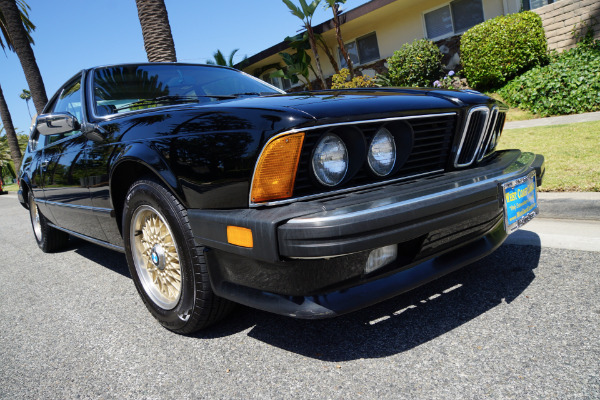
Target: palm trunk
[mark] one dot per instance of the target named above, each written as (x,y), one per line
(156,30)
(338,34)
(313,46)
(11,135)
(20,41)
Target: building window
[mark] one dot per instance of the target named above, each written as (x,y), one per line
(281,83)
(454,18)
(533,4)
(361,51)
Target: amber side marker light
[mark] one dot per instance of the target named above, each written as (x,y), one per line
(275,172)
(239,236)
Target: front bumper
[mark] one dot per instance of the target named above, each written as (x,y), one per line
(308,257)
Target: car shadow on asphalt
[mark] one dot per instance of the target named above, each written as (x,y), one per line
(110,259)
(401,323)
(391,327)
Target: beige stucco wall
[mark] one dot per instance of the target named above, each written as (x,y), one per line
(560,19)
(395,24)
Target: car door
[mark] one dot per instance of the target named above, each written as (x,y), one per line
(63,170)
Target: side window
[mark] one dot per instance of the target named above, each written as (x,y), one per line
(69,100)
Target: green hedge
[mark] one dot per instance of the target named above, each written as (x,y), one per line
(499,49)
(570,84)
(416,64)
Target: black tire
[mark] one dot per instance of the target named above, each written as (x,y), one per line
(48,239)
(156,261)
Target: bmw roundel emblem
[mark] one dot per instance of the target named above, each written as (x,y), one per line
(154,257)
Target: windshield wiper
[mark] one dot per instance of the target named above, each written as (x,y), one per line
(173,99)
(254,94)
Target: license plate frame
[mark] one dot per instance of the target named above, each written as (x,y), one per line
(520,201)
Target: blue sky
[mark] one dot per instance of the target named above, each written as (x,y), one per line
(76,34)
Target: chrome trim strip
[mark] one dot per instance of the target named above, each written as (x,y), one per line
(370,121)
(95,210)
(462,140)
(345,190)
(489,132)
(448,192)
(296,130)
(90,239)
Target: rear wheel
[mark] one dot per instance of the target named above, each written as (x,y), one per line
(49,239)
(167,267)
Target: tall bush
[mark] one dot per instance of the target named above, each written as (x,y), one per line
(416,64)
(499,49)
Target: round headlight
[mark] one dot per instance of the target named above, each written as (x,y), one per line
(330,160)
(382,152)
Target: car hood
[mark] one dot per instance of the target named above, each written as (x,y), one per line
(336,105)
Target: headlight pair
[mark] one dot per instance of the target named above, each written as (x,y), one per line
(331,161)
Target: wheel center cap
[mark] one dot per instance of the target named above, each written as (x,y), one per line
(158,257)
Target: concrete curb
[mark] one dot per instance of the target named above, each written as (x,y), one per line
(569,205)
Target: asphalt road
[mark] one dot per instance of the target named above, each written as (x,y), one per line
(522,323)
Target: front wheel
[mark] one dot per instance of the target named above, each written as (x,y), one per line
(49,239)
(167,267)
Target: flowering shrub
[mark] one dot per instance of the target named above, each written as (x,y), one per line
(447,82)
(339,81)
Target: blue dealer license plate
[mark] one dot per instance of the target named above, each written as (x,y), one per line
(520,202)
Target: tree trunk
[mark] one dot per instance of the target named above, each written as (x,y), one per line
(20,41)
(338,34)
(11,135)
(313,46)
(156,30)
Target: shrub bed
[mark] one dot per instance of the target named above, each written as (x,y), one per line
(570,84)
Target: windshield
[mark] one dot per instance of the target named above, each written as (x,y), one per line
(131,87)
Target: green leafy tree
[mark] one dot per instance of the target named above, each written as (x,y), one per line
(305,12)
(16,31)
(6,164)
(297,65)
(156,30)
(219,59)
(335,8)
(26,95)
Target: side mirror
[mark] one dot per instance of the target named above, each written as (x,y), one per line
(55,123)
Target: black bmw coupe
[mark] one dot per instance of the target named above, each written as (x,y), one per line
(221,189)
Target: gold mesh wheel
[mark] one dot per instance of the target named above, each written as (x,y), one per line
(155,256)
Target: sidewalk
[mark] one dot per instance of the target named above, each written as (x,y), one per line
(562,120)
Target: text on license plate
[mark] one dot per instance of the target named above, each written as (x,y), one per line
(520,202)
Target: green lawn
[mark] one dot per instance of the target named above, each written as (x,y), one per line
(514,114)
(572,154)
(11,188)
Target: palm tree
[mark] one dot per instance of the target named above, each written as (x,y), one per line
(26,95)
(16,29)
(156,30)
(11,135)
(305,13)
(335,7)
(219,59)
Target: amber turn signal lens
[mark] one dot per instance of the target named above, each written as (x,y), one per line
(276,169)
(239,236)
